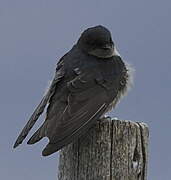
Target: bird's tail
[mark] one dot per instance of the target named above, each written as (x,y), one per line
(38,135)
(38,111)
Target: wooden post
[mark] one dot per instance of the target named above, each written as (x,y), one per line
(111,150)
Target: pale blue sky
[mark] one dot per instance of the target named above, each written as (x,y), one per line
(34,34)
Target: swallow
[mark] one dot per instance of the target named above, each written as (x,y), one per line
(89,81)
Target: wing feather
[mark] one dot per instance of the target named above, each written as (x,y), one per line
(78,125)
(86,103)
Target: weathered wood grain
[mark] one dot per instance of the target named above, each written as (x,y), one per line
(111,150)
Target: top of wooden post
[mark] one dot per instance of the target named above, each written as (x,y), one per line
(111,150)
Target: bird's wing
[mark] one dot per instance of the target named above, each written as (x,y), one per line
(86,102)
(40,108)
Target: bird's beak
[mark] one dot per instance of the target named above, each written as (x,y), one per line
(112,48)
(107,51)
(107,47)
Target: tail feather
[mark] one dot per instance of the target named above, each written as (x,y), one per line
(40,108)
(38,135)
(38,111)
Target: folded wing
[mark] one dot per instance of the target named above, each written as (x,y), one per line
(86,102)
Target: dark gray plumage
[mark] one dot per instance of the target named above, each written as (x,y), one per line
(89,79)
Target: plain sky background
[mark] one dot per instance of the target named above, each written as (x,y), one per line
(34,34)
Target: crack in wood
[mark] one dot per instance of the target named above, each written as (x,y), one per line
(111,137)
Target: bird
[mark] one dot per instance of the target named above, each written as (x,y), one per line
(89,81)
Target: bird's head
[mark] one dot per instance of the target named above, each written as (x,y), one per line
(97,41)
